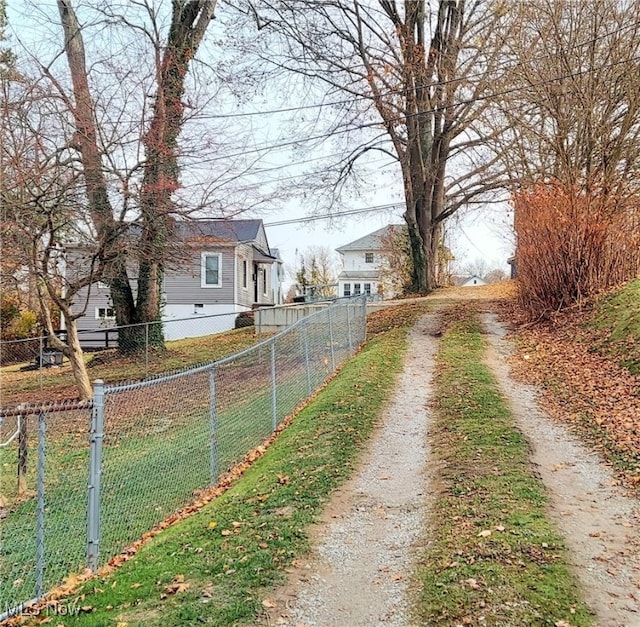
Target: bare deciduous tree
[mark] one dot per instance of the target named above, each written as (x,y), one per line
(396,263)
(574,147)
(316,272)
(156,208)
(417,81)
(42,209)
(573,107)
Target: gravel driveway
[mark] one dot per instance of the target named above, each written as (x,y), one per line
(370,534)
(365,544)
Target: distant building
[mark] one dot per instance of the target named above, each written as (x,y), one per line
(472,281)
(364,263)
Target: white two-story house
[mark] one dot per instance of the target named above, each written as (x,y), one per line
(364,264)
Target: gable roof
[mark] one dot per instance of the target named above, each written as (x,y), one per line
(220,229)
(373,241)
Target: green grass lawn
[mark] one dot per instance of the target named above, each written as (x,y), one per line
(215,566)
(111,367)
(493,557)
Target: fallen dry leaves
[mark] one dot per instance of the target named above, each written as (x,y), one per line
(584,387)
(175,587)
(394,316)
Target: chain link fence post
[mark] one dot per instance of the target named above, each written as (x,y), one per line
(349,328)
(213,417)
(40,358)
(333,356)
(23,450)
(274,394)
(364,318)
(40,511)
(146,349)
(95,469)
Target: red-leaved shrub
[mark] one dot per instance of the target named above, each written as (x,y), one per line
(571,244)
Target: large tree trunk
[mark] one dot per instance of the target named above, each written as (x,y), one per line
(109,233)
(428,124)
(190,19)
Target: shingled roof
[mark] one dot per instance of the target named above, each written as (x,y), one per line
(373,241)
(221,229)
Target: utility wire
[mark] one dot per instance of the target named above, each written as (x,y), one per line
(338,214)
(437,108)
(391,92)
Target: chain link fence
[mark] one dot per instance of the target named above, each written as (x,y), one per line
(44,453)
(143,449)
(140,339)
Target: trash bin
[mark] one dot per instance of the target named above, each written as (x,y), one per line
(51,357)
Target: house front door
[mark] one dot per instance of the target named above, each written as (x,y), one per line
(256,283)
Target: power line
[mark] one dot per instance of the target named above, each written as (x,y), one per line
(438,108)
(377,123)
(338,214)
(399,91)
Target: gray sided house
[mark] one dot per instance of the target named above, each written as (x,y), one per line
(218,268)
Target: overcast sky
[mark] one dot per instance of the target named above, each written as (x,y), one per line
(482,234)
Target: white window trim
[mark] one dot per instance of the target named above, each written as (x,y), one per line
(105,317)
(245,274)
(203,270)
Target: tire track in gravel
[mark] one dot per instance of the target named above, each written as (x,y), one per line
(367,540)
(600,524)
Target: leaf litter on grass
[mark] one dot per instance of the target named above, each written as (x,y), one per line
(583,386)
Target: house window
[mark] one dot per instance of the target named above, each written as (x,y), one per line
(264,281)
(356,289)
(367,289)
(245,273)
(368,257)
(105,313)
(210,270)
(347,289)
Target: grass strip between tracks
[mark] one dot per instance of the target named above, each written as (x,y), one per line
(493,557)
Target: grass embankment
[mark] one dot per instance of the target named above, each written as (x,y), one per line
(216,566)
(587,360)
(494,557)
(617,317)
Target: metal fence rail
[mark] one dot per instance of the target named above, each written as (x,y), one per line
(133,337)
(144,448)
